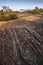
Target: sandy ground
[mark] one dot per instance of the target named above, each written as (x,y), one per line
(21,17)
(29,17)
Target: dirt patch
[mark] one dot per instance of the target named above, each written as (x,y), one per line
(2,24)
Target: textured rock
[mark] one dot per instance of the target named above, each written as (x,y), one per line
(21,46)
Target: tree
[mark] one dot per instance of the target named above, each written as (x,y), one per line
(5,8)
(36,8)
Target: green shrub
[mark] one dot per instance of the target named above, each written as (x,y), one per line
(7,14)
(4,18)
(9,17)
(13,16)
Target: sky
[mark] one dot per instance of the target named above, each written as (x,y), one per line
(21,4)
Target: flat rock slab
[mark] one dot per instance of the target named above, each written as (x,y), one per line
(22,45)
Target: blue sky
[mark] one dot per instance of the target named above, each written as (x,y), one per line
(21,4)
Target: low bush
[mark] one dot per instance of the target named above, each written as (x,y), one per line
(13,16)
(7,14)
(9,17)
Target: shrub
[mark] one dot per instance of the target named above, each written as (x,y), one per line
(9,17)
(13,16)
(7,14)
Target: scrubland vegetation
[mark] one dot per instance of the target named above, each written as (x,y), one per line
(7,14)
(35,11)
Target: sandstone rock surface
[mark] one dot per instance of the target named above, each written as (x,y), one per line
(22,44)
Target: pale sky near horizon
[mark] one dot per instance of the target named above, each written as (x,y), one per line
(21,4)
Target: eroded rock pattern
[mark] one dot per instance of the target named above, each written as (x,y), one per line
(22,46)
